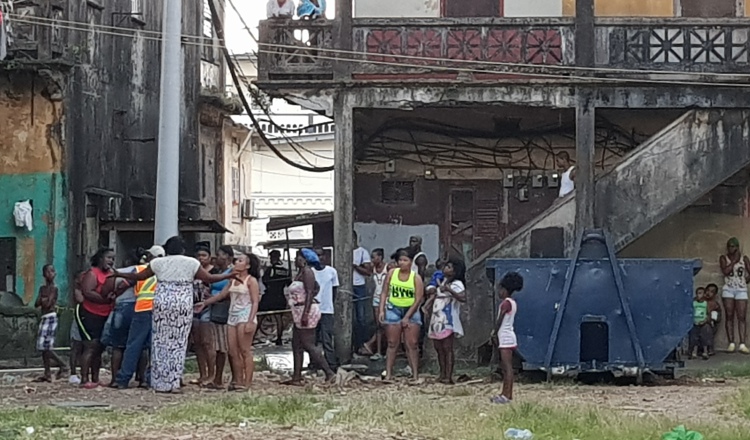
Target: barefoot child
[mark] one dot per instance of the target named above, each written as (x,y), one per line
(512,282)
(445,324)
(46,301)
(714,313)
(701,334)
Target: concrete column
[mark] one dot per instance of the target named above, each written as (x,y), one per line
(342,37)
(584,173)
(585,118)
(343,222)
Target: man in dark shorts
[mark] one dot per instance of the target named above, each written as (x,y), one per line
(275,278)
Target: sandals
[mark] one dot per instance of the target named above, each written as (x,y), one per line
(293,382)
(365,351)
(42,379)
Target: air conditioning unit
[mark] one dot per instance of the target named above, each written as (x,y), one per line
(248,209)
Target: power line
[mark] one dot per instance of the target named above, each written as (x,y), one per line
(219,29)
(87,27)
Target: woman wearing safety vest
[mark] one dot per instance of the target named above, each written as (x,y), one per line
(399,312)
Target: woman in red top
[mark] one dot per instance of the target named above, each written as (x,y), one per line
(98,297)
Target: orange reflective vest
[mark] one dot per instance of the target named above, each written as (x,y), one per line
(144,291)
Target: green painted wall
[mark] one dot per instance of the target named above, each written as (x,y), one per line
(48,241)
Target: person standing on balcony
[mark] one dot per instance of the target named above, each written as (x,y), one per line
(736,270)
(311,9)
(280,9)
(567,181)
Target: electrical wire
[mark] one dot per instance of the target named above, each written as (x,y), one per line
(53,21)
(533,75)
(219,29)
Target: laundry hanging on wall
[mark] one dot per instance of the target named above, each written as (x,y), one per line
(22,213)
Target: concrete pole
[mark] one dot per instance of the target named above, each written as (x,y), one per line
(342,36)
(585,118)
(343,223)
(168,171)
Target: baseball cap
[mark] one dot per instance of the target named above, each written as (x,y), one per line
(156,251)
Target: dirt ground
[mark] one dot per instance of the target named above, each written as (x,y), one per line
(697,400)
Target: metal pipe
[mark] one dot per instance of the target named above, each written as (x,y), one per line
(168,171)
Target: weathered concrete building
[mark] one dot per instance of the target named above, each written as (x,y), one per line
(79,117)
(450,112)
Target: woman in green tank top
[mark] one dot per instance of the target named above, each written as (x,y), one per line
(399,312)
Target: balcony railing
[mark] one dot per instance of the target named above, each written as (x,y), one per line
(33,27)
(292,49)
(397,49)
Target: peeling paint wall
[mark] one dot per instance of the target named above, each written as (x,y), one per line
(112,157)
(31,161)
(396,8)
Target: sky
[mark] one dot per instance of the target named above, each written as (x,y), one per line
(252,11)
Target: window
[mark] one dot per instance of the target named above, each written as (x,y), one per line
(136,7)
(236,193)
(210,48)
(7,264)
(208,28)
(397,192)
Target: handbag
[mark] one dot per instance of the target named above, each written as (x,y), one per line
(220,312)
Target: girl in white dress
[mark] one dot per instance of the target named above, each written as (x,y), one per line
(512,282)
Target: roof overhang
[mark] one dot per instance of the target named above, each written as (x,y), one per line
(205,226)
(282,222)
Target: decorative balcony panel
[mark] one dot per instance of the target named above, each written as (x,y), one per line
(429,46)
(476,49)
(676,45)
(290,49)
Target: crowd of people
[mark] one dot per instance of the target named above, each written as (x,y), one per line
(161,301)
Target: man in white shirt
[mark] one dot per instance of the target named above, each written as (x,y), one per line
(568,176)
(362,271)
(328,280)
(280,9)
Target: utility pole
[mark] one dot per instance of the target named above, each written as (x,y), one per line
(168,171)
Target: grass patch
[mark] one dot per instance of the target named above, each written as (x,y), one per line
(726,370)
(456,413)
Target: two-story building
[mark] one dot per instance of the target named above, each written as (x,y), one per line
(452,113)
(79,114)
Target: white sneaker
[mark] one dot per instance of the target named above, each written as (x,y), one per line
(74,380)
(731,348)
(744,349)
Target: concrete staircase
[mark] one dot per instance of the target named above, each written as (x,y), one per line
(664,175)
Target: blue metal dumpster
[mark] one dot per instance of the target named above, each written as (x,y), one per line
(594,313)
